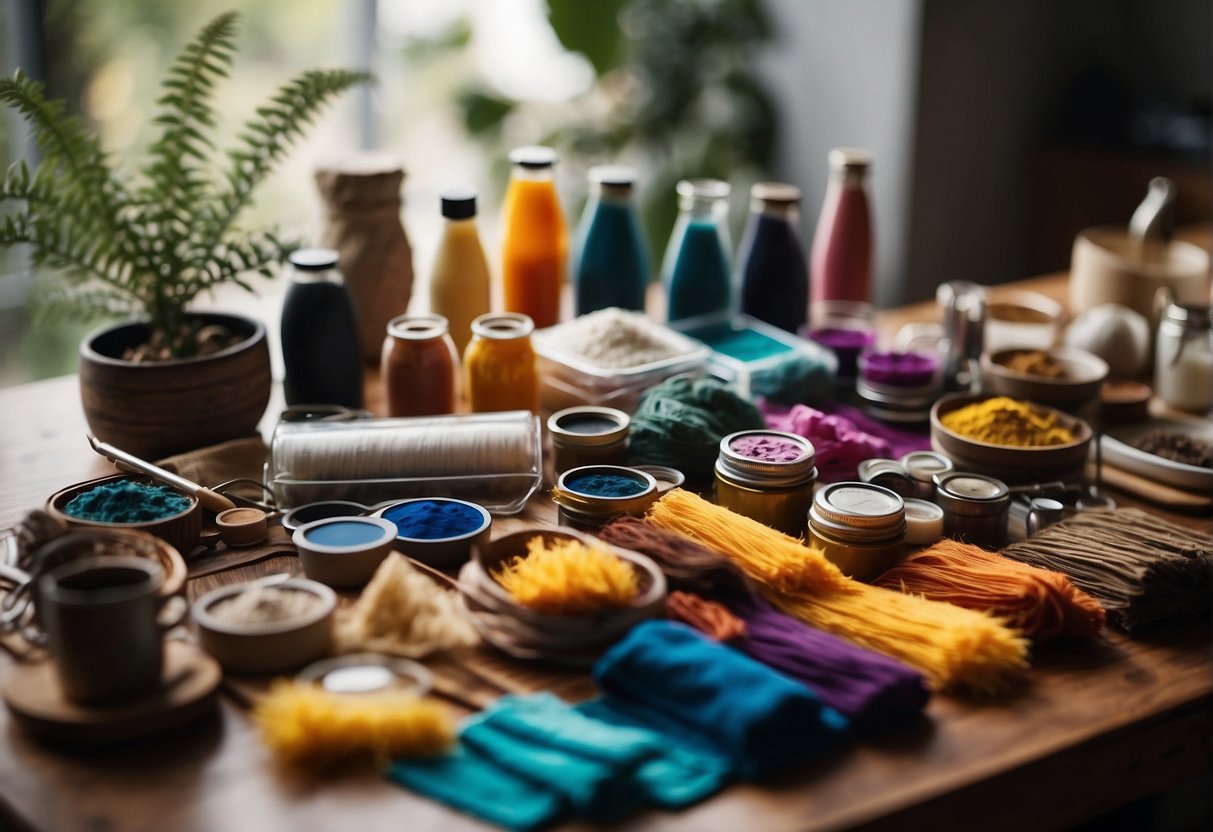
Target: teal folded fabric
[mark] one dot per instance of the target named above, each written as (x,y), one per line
(761,720)
(471,784)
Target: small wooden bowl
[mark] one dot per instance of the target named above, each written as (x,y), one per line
(181,530)
(1084,375)
(1011,464)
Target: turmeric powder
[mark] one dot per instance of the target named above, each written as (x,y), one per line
(1005,421)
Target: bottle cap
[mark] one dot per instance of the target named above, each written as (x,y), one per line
(775,193)
(613,176)
(458,203)
(703,189)
(850,158)
(533,156)
(314,259)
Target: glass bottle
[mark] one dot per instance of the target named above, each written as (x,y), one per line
(536,244)
(499,364)
(1183,358)
(841,260)
(774,277)
(610,264)
(696,271)
(459,283)
(320,345)
(418,366)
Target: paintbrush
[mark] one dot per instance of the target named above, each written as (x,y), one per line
(130,463)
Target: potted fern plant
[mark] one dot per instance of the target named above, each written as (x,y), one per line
(147,243)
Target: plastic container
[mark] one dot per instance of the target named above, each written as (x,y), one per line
(757,359)
(372,461)
(566,380)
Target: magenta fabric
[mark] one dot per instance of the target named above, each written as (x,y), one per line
(843,436)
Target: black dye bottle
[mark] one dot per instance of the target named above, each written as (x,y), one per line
(774,277)
(320,344)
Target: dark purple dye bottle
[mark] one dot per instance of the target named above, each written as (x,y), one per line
(774,277)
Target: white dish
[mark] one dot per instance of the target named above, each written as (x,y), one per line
(1118,450)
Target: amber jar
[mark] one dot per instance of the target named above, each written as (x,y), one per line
(499,363)
(581,503)
(418,366)
(859,526)
(768,476)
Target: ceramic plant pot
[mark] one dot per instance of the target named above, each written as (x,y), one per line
(156,409)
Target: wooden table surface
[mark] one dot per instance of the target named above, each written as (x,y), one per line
(1092,726)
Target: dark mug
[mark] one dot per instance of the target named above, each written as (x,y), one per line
(104,626)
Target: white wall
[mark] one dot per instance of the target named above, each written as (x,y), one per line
(845,72)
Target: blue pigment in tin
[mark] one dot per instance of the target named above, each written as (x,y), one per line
(606,485)
(344,533)
(434,519)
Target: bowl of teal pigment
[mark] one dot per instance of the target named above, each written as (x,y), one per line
(131,501)
(438,531)
(344,552)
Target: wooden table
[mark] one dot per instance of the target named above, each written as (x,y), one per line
(1093,726)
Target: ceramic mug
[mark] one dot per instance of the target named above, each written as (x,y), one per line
(104,623)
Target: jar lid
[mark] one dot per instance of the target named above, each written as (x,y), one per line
(887,473)
(701,190)
(503,326)
(418,327)
(458,203)
(924,465)
(533,156)
(767,457)
(858,505)
(613,176)
(588,425)
(974,495)
(313,259)
(1192,316)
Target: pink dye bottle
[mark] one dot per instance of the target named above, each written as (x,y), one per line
(841,260)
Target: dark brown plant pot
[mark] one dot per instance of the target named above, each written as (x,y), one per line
(156,409)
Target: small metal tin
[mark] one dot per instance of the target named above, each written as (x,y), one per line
(924,522)
(859,526)
(775,492)
(590,512)
(587,435)
(974,507)
(922,466)
(887,473)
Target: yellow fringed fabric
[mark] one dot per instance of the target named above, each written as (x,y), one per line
(568,577)
(306,725)
(953,647)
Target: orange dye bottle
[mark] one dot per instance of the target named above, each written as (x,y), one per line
(536,247)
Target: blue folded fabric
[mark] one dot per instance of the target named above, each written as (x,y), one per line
(761,720)
(471,784)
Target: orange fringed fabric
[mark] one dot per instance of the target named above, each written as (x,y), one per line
(1044,604)
(953,647)
(712,619)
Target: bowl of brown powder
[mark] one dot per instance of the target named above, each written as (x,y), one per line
(1064,377)
(266,628)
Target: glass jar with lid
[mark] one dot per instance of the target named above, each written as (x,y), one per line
(1183,357)
(587,435)
(974,507)
(418,366)
(859,526)
(588,497)
(499,364)
(768,476)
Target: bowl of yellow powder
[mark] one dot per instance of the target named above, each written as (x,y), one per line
(1014,440)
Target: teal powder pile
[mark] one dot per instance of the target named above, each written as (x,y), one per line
(680,423)
(126,501)
(605,485)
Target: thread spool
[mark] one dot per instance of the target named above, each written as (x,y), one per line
(492,459)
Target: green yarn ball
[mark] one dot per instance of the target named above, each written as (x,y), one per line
(681,421)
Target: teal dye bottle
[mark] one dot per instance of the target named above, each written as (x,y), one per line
(774,277)
(696,271)
(610,262)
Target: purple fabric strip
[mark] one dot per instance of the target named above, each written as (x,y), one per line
(875,692)
(843,436)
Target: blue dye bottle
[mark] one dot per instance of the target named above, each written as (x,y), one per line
(696,271)
(320,345)
(610,263)
(774,276)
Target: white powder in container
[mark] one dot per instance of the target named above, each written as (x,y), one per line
(264,605)
(616,339)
